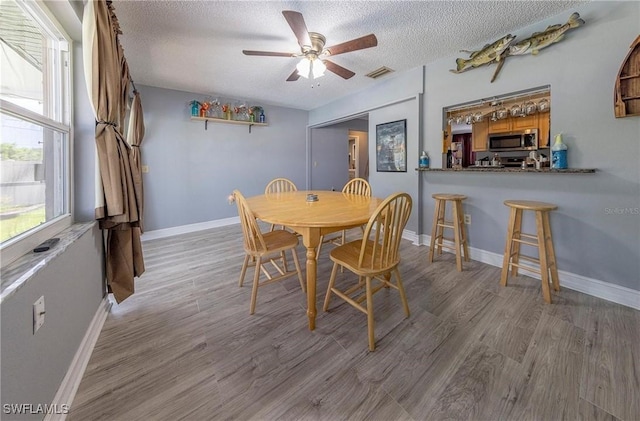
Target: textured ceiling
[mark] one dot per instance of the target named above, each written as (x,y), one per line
(196,46)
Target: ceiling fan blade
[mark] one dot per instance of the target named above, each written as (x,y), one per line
(361,43)
(294,76)
(339,70)
(296,22)
(266,53)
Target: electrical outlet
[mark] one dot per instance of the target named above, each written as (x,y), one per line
(38,314)
(467,219)
(145,169)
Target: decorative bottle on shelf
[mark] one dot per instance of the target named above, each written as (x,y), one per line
(559,154)
(195,108)
(261,119)
(424,160)
(449,157)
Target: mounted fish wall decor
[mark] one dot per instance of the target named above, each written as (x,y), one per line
(503,48)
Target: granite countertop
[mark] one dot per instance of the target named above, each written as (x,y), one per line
(511,170)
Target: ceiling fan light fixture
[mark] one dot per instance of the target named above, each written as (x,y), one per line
(318,68)
(311,67)
(304,67)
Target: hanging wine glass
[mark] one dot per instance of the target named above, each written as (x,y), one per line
(543,105)
(468,120)
(478,117)
(515,110)
(501,113)
(451,120)
(529,107)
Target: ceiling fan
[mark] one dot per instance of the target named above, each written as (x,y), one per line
(313,51)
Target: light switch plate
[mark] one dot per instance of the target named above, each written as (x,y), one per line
(38,314)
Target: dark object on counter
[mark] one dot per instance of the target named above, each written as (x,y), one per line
(46,245)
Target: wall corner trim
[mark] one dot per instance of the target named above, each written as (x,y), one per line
(69,386)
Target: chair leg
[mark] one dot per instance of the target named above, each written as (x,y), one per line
(244,269)
(517,231)
(552,253)
(332,281)
(506,260)
(542,251)
(442,211)
(285,268)
(319,247)
(403,296)
(254,291)
(370,320)
(456,236)
(463,233)
(434,230)
(297,263)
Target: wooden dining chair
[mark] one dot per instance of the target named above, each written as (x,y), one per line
(261,248)
(358,186)
(375,257)
(279,185)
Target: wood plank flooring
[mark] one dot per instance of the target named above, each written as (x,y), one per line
(185,347)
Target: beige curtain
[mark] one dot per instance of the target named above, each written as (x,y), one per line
(108,80)
(135,134)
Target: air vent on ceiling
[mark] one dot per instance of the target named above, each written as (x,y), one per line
(379,72)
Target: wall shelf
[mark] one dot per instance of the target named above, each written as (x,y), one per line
(225,121)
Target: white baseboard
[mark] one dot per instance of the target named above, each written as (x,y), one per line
(185,229)
(69,386)
(610,292)
(594,287)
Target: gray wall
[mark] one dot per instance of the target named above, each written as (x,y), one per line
(386,183)
(591,239)
(193,170)
(596,228)
(392,99)
(33,366)
(329,153)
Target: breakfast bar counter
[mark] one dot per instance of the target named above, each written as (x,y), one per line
(491,169)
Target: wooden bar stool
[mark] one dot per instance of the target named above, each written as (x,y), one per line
(457,225)
(542,240)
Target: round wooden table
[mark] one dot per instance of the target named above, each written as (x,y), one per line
(334,211)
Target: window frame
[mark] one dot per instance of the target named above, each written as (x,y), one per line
(62,121)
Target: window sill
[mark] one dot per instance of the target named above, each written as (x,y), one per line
(16,274)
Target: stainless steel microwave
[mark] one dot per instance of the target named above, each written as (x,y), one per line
(525,140)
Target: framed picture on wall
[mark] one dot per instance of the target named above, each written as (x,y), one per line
(391,146)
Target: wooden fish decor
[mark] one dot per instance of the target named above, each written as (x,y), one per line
(503,48)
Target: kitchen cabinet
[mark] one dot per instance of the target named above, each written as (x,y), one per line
(480,133)
(544,126)
(526,122)
(513,124)
(500,126)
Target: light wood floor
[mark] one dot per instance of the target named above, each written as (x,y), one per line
(185,347)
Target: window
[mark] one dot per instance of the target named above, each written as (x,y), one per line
(35,135)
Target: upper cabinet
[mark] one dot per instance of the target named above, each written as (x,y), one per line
(479,135)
